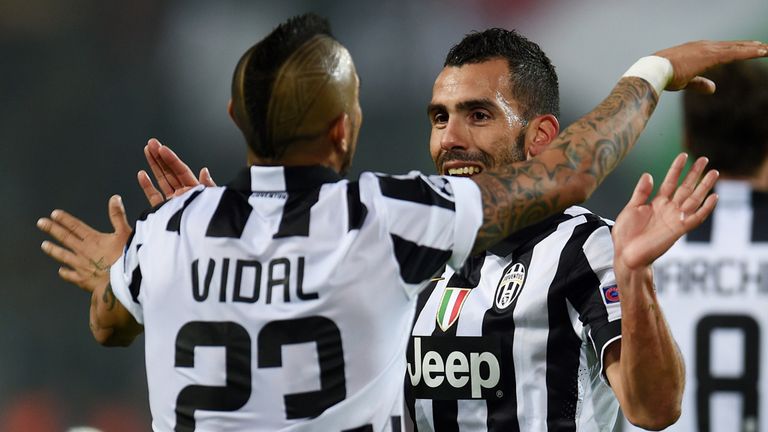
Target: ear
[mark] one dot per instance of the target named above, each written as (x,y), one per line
(231,110)
(541,131)
(338,133)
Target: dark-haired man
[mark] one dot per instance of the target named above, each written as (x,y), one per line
(283,301)
(714,283)
(541,310)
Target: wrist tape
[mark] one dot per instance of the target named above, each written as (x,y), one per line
(657,71)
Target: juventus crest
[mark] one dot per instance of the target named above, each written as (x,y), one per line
(509,286)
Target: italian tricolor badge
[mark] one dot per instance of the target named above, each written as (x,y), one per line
(450,306)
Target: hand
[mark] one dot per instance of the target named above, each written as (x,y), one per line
(87,254)
(643,232)
(173,176)
(694,58)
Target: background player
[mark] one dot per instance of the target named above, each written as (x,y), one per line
(714,283)
(173,238)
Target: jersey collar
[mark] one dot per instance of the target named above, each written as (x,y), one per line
(278,178)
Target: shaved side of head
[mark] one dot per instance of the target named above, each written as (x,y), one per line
(291,86)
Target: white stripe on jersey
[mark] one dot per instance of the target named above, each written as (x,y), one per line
(231,281)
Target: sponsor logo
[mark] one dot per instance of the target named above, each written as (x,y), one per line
(611,294)
(510,286)
(450,306)
(455,367)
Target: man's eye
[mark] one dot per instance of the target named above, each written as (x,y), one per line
(480,116)
(440,118)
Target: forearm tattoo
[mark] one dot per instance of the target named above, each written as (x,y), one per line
(576,162)
(109,298)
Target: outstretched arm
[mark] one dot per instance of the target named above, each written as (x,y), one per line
(582,156)
(645,369)
(86,255)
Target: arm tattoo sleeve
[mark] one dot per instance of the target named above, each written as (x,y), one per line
(575,163)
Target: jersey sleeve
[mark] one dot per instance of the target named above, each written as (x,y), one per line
(596,295)
(125,274)
(431,221)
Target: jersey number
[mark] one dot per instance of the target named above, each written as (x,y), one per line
(237,343)
(745,384)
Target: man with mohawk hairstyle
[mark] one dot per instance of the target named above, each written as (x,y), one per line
(293,282)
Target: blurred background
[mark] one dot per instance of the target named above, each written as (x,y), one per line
(85,83)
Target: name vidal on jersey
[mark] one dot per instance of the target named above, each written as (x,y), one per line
(250,276)
(455,368)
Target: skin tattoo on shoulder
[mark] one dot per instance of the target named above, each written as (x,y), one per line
(526,193)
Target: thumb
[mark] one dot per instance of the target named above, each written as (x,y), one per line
(701,85)
(206,179)
(642,191)
(117,216)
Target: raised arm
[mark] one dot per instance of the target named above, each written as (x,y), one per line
(645,369)
(86,255)
(580,158)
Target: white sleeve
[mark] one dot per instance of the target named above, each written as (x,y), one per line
(431,220)
(125,274)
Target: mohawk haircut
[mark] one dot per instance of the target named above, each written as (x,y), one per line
(730,126)
(533,79)
(256,72)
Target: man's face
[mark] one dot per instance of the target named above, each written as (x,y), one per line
(476,124)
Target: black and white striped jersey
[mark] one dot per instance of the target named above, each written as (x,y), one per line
(514,340)
(713,286)
(284,301)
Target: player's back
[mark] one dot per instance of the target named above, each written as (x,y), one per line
(713,286)
(283,301)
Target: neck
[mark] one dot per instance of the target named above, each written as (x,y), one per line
(300,155)
(758,182)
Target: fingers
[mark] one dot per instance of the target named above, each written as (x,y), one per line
(642,191)
(702,213)
(689,183)
(206,179)
(63,255)
(117,217)
(66,228)
(72,276)
(152,156)
(178,173)
(153,195)
(673,174)
(692,203)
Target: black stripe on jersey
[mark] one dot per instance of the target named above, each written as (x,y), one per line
(356,210)
(296,211)
(413,190)
(574,277)
(174,223)
(230,216)
(135,286)
(366,428)
(303,186)
(502,412)
(759,216)
(418,263)
(703,232)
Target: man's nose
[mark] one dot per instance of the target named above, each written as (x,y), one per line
(453,136)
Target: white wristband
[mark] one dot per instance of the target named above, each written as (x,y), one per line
(654,69)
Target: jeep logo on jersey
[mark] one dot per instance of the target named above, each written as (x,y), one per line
(455,367)
(510,286)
